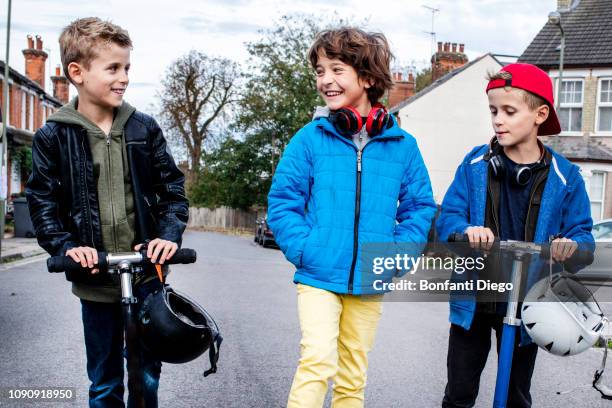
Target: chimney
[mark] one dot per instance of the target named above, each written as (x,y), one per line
(447,60)
(401,89)
(439,46)
(60,86)
(35,59)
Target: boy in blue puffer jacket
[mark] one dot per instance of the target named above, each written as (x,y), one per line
(348,178)
(513,188)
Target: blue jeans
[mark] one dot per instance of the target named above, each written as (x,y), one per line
(104,343)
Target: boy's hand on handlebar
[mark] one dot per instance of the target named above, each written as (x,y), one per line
(562,249)
(480,237)
(159,250)
(86,256)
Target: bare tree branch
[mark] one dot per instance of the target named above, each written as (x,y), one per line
(196,91)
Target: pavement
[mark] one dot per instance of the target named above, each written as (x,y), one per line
(15,249)
(249,291)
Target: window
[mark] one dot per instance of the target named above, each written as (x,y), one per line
(596,194)
(30,112)
(23,109)
(570,106)
(9,105)
(604,106)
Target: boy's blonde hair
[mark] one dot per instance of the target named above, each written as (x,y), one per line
(368,53)
(80,39)
(533,101)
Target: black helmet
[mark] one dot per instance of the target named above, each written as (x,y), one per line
(175,329)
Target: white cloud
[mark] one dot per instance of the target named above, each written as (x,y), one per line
(163,31)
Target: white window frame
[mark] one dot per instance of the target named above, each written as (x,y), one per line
(603,192)
(599,104)
(571,105)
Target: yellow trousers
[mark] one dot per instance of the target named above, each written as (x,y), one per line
(337,334)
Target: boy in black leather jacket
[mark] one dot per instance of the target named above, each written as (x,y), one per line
(103,179)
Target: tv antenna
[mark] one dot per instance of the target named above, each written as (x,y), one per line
(431,33)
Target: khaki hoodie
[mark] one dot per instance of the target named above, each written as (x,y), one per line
(115,197)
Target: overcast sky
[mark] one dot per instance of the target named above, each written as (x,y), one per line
(164,30)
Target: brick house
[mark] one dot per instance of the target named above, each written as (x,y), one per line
(29,106)
(585,110)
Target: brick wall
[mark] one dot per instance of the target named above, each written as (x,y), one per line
(15,105)
(589,104)
(402,89)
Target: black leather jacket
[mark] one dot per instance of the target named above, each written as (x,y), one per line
(62,194)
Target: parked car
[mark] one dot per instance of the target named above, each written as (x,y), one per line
(258,223)
(263,234)
(600,271)
(602,230)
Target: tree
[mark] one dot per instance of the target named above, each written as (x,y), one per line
(280,92)
(232,176)
(196,90)
(279,97)
(423,79)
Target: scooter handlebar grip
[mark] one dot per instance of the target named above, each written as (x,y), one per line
(183,256)
(580,256)
(62,264)
(458,237)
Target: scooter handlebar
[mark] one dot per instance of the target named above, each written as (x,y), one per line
(580,256)
(67,264)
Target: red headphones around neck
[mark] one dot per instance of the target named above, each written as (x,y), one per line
(348,120)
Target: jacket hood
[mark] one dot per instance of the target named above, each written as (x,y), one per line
(69,114)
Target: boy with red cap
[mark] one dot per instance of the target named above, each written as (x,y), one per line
(513,188)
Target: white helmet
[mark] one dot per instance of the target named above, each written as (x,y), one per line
(561,316)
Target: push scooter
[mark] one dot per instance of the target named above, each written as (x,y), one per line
(125,264)
(519,251)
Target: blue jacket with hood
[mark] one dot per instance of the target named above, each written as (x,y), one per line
(564,209)
(328,199)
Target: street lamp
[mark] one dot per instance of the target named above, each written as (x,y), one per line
(555,19)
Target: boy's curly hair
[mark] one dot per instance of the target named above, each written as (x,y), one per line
(368,53)
(80,39)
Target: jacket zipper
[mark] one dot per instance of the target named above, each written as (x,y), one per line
(536,186)
(358,211)
(85,195)
(356,224)
(110,191)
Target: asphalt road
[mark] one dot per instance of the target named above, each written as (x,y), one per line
(249,291)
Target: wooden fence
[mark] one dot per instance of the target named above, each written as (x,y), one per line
(223,218)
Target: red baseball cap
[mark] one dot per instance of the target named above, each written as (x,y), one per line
(531,78)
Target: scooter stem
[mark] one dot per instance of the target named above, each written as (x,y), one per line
(511,324)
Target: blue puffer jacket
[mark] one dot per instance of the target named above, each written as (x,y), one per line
(327,200)
(565,209)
